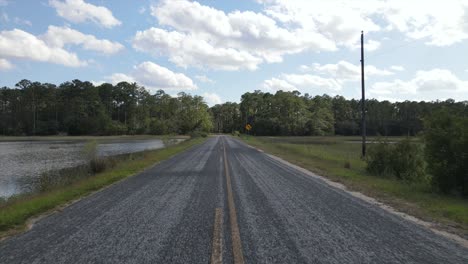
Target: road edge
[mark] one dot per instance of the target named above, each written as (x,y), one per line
(432,226)
(31,221)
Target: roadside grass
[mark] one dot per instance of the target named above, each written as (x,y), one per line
(339,159)
(15,213)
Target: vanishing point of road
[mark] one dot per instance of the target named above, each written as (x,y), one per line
(225,202)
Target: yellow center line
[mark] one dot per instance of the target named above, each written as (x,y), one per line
(235,234)
(217,247)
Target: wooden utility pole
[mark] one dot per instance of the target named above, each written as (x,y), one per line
(363,102)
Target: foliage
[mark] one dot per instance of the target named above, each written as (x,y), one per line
(293,114)
(403,159)
(198,134)
(81,108)
(446,138)
(379,159)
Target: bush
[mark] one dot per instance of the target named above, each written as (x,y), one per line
(236,133)
(197,134)
(115,128)
(408,161)
(98,165)
(403,160)
(379,158)
(446,138)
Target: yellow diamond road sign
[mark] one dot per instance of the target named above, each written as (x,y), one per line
(248,127)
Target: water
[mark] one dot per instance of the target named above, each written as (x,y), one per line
(21,163)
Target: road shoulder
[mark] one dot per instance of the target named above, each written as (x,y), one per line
(436,228)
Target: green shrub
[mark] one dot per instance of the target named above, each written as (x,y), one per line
(379,158)
(197,134)
(98,165)
(408,161)
(115,128)
(446,138)
(403,160)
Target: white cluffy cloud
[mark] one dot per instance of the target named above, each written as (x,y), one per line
(204,79)
(78,11)
(236,40)
(154,77)
(23,45)
(425,85)
(290,82)
(212,99)
(440,23)
(205,37)
(186,50)
(345,71)
(50,47)
(5,65)
(60,36)
(327,77)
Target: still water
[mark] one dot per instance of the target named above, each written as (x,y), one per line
(23,162)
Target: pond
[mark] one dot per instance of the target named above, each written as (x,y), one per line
(21,162)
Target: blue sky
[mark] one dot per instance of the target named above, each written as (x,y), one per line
(222,49)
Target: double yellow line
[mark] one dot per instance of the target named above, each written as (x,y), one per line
(217,246)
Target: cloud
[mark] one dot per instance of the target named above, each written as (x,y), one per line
(212,99)
(369,46)
(5,65)
(154,77)
(21,21)
(186,50)
(120,77)
(338,21)
(397,68)
(253,32)
(204,37)
(345,71)
(61,36)
(291,82)
(328,77)
(3,2)
(440,23)
(4,18)
(425,85)
(23,45)
(78,11)
(193,34)
(275,84)
(204,79)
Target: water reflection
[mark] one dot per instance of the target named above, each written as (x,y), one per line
(21,163)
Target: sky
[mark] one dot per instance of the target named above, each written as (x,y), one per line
(414,50)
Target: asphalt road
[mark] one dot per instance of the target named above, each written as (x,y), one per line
(190,209)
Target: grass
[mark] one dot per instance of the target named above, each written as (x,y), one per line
(15,213)
(339,159)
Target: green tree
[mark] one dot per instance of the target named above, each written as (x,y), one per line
(446,138)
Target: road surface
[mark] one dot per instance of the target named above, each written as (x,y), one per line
(224,202)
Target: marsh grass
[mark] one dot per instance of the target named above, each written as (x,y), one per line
(339,159)
(15,212)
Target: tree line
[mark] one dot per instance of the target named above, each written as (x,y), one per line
(293,114)
(82,108)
